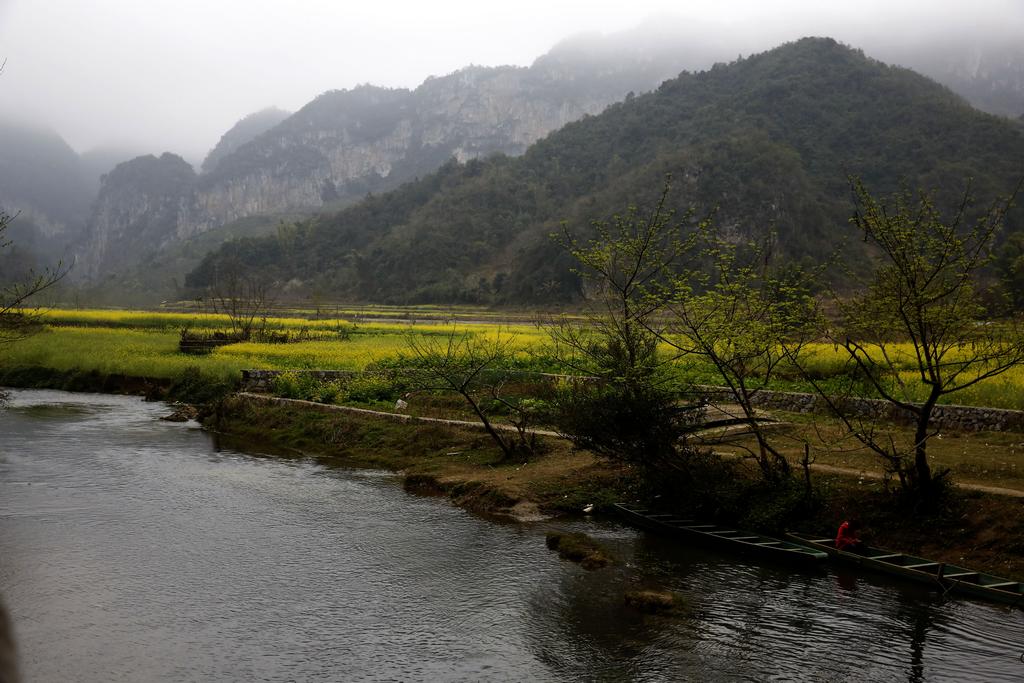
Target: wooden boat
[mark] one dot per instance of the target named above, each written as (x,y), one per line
(944,577)
(719,536)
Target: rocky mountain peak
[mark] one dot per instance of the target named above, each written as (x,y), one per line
(142,204)
(248,128)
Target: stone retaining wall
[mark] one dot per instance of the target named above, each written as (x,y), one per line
(262,380)
(950,417)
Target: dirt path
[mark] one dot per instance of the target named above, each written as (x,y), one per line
(394,417)
(868,474)
(400,417)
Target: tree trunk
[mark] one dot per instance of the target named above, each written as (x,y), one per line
(922,470)
(506,450)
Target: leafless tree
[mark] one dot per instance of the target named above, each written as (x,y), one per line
(246,300)
(476,368)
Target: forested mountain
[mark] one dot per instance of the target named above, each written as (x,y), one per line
(347,143)
(768,139)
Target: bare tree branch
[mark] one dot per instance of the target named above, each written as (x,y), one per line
(19,317)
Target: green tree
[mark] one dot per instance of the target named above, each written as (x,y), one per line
(745,317)
(627,407)
(917,332)
(1010,266)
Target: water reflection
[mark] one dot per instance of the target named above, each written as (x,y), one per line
(132,548)
(748,622)
(919,618)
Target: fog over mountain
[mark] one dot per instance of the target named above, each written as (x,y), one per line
(194,100)
(175,75)
(45,186)
(768,140)
(346,143)
(251,126)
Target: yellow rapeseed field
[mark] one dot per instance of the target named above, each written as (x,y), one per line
(145,343)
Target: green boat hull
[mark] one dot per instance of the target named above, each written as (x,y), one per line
(948,578)
(716,536)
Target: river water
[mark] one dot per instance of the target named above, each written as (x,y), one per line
(133,549)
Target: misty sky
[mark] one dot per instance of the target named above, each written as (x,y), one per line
(174,75)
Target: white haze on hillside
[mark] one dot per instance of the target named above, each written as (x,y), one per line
(176,74)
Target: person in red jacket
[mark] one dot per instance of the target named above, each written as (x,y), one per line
(847,538)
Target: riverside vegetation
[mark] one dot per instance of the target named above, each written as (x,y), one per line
(98,350)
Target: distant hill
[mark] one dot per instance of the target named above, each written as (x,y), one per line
(347,143)
(768,139)
(41,175)
(99,161)
(245,130)
(43,182)
(138,209)
(989,73)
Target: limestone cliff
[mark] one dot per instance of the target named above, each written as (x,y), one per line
(142,205)
(369,139)
(347,143)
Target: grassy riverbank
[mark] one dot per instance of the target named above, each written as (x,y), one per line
(462,463)
(985,458)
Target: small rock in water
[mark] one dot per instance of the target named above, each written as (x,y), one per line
(578,548)
(653,601)
(184,413)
